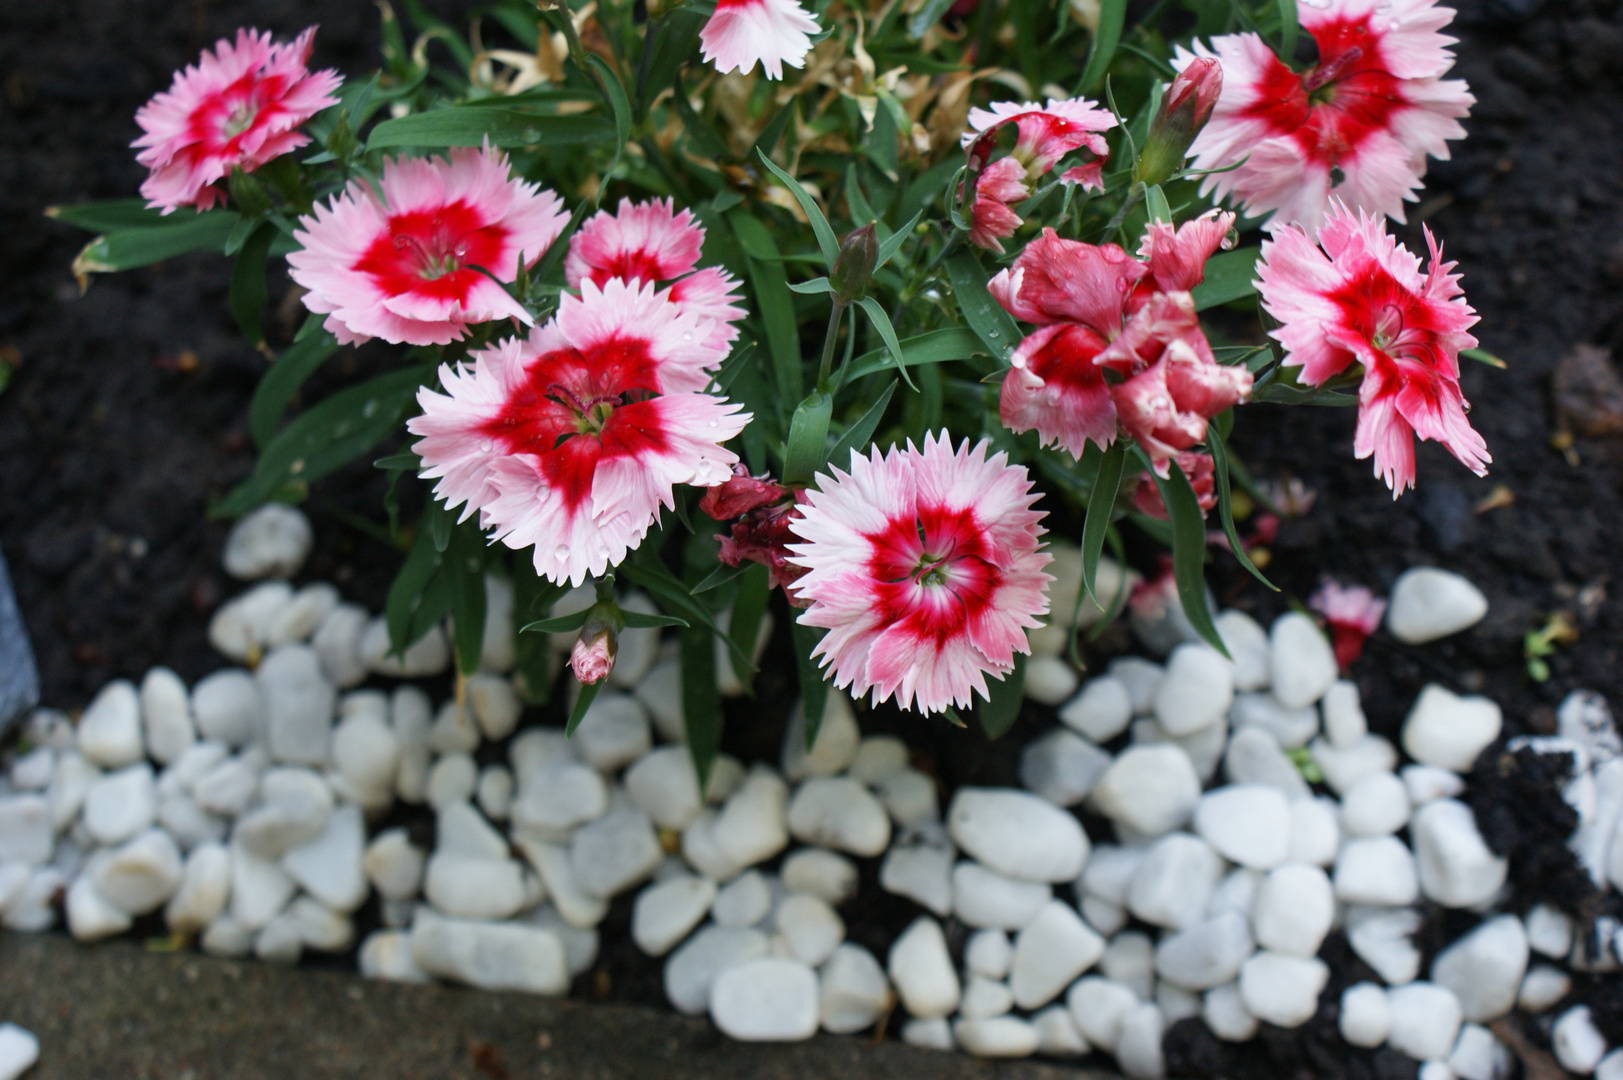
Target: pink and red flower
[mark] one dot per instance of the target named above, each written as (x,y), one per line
(1201,472)
(1359,297)
(1044,135)
(925,568)
(238,106)
(742,32)
(650,243)
(417,266)
(1099,310)
(572,439)
(1353,613)
(1357,126)
(766,512)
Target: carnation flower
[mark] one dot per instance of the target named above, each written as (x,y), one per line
(774,32)
(1045,133)
(1098,308)
(1201,472)
(1353,613)
(1359,297)
(766,512)
(997,189)
(651,242)
(1357,126)
(238,106)
(924,567)
(592,657)
(417,265)
(572,439)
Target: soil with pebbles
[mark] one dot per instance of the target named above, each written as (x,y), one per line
(127,413)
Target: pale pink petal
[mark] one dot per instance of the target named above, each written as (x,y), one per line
(742,32)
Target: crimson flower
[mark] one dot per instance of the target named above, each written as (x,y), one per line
(762,534)
(237,107)
(925,568)
(1359,297)
(1357,126)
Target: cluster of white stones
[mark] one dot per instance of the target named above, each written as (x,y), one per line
(241,808)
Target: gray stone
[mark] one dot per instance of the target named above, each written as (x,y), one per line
(19,678)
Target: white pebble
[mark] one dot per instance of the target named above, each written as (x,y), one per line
(744,901)
(166,714)
(1175,1002)
(988,953)
(1098,1006)
(1291,728)
(19,1049)
(1247,644)
(1138,1046)
(1049,680)
(1484,968)
(1378,871)
(1254,757)
(241,626)
(692,969)
(553,802)
(1283,990)
(1225,1013)
(664,786)
(205,886)
(1196,691)
(820,872)
(1141,677)
(1017,834)
(614,853)
(578,907)
(1301,664)
(1249,824)
(922,873)
(1315,834)
(909,797)
(495,791)
(303,615)
(320,927)
(1477,1055)
(1377,805)
(428,655)
(1207,954)
(227,707)
(1237,893)
(1057,1035)
(386,954)
(1365,1016)
(462,829)
(1381,938)
(1343,712)
(91,916)
(367,755)
(1449,731)
(982,897)
(840,813)
(996,1036)
(1101,711)
(934,1033)
(1579,1045)
(228,787)
(491,956)
(1549,931)
(260,888)
(614,732)
(394,865)
(337,641)
(141,875)
(877,757)
(1456,868)
(1344,767)
(1049,953)
(666,913)
(1062,767)
(33,771)
(1425,1020)
(26,835)
(330,867)
(299,703)
(837,739)
(809,928)
(1149,789)
(1427,783)
(120,804)
(751,827)
(294,807)
(922,970)
(109,732)
(1295,909)
(852,992)
(271,541)
(1174,882)
(1428,604)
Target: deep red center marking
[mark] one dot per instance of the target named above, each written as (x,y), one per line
(431,253)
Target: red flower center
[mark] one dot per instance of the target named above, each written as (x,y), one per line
(1379,310)
(1332,108)
(638,264)
(432,253)
(932,572)
(578,408)
(219,122)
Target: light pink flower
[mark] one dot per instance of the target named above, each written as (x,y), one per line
(924,567)
(741,32)
(240,105)
(1057,280)
(1358,296)
(998,188)
(651,242)
(1045,133)
(593,655)
(418,268)
(1357,126)
(1353,613)
(572,439)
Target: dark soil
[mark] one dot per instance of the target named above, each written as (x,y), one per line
(128,413)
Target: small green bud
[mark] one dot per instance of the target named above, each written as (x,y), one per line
(853,269)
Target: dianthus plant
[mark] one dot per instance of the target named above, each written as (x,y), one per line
(842,298)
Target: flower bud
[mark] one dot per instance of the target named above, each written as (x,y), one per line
(853,269)
(248,194)
(1185,108)
(592,658)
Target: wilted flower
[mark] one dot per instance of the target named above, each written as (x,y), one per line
(1202,476)
(237,107)
(572,439)
(766,512)
(1185,108)
(1359,297)
(741,32)
(1357,126)
(1353,613)
(924,567)
(419,267)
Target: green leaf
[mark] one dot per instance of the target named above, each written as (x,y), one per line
(772,297)
(1289,27)
(583,701)
(808,438)
(1220,468)
(881,323)
(1229,277)
(889,246)
(749,606)
(562,624)
(619,104)
(856,202)
(767,141)
(935,347)
(419,597)
(532,593)
(986,317)
(826,240)
(327,436)
(718,577)
(998,714)
(813,686)
(701,701)
(857,435)
(112,215)
(638,620)
(464,567)
(1112,15)
(126,249)
(1188,551)
(672,594)
(1101,505)
(926,17)
(283,379)
(248,292)
(471,124)
(439,522)
(1155,204)
(1483,356)
(669,44)
(814,287)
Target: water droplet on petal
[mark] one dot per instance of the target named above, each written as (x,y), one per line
(602,552)
(992,333)
(487,445)
(688,336)
(714,424)
(561,552)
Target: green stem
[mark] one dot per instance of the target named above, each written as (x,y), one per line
(1134,195)
(827,367)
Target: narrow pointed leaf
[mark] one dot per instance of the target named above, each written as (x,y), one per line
(1101,505)
(881,322)
(583,701)
(1220,468)
(470,125)
(808,438)
(889,246)
(639,620)
(1229,277)
(813,684)
(619,105)
(283,380)
(718,577)
(1189,553)
(935,347)
(998,715)
(1289,28)
(827,242)
(857,435)
(701,701)
(248,292)
(1112,15)
(419,597)
(985,316)
(749,606)
(465,569)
